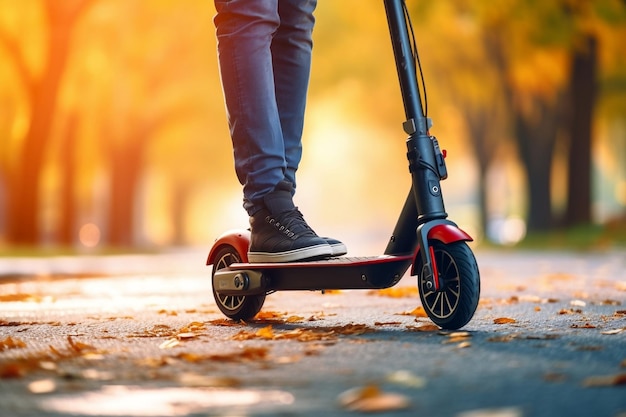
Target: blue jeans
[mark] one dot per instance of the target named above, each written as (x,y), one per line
(264,49)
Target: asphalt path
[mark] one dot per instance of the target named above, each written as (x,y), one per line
(141,336)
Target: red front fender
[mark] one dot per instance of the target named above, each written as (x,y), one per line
(238,239)
(444,233)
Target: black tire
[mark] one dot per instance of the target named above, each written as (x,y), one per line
(236,307)
(455,304)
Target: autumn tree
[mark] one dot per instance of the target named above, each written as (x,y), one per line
(41,86)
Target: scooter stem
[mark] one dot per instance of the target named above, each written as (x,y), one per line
(424,207)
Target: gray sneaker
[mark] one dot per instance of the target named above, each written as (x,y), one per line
(279,233)
(284,238)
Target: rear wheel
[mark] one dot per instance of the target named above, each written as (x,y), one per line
(236,307)
(454,305)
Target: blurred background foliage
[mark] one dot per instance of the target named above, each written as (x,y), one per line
(113,132)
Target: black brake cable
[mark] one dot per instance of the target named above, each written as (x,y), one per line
(416,59)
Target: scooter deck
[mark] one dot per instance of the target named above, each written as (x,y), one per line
(335,273)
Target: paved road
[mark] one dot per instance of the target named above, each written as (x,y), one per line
(141,336)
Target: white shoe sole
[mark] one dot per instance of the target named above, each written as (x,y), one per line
(310,252)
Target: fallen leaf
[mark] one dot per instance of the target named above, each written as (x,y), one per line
(158,330)
(352,329)
(502,339)
(19,298)
(42,386)
(387,323)
(583,326)
(79,347)
(569,311)
(225,322)
(543,337)
(189,379)
(397,292)
(370,399)
(426,327)
(11,370)
(590,348)
(554,377)
(578,303)
(170,343)
(417,312)
(194,326)
(605,381)
(613,331)
(184,336)
(457,337)
(504,320)
(609,302)
(11,343)
(266,333)
(168,312)
(407,379)
(268,315)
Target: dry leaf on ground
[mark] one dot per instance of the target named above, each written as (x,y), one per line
(407,379)
(417,312)
(42,386)
(583,326)
(397,292)
(11,343)
(425,327)
(605,380)
(370,399)
(504,320)
(169,344)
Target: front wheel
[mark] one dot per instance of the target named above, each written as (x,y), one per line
(236,307)
(454,305)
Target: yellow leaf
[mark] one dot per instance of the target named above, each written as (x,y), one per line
(10,343)
(265,333)
(417,312)
(426,327)
(397,292)
(268,315)
(370,399)
(504,320)
(605,381)
(169,343)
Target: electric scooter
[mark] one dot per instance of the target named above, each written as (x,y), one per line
(423,239)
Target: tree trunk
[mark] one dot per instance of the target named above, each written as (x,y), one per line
(67,227)
(536,129)
(583,89)
(125,170)
(24,182)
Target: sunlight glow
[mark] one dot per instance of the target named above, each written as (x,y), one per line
(89,235)
(135,401)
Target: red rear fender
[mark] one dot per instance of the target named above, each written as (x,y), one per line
(238,239)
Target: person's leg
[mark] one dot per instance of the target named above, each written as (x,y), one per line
(245,30)
(291,58)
